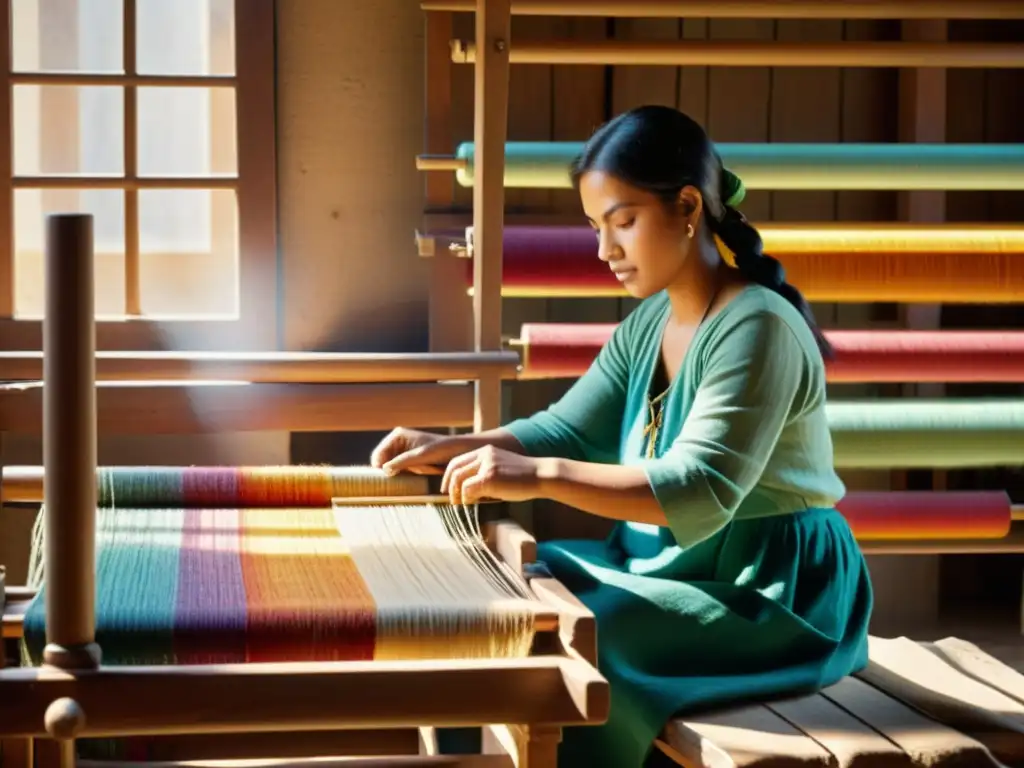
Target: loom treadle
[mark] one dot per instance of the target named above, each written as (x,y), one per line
(941,705)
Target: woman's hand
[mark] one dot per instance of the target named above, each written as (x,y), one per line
(421,453)
(492,473)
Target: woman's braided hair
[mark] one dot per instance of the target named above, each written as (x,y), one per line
(661,150)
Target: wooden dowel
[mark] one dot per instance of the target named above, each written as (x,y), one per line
(228,698)
(720,53)
(124,182)
(13,621)
(1010,544)
(282,744)
(490,130)
(64,720)
(544,620)
(15,594)
(80,79)
(751,9)
(391,761)
(279,367)
(372,501)
(211,408)
(69,443)
(24,485)
(130,151)
(440,163)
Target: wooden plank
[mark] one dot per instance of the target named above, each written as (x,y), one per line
(791,120)
(7,280)
(490,132)
(693,81)
(641,85)
(927,742)
(196,410)
(910,673)
(451,309)
(530,118)
(740,100)
(16,753)
(851,742)
(746,737)
(867,96)
(579,108)
(970,660)
(463,28)
(922,118)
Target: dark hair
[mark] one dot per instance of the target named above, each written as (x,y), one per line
(661,150)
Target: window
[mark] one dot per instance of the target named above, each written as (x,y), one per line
(133,111)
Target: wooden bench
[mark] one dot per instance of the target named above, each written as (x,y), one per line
(941,705)
(929,705)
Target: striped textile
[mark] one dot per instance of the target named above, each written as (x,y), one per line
(211,565)
(203,586)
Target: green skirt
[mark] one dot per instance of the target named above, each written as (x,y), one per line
(767,607)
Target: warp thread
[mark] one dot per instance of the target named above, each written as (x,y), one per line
(290,578)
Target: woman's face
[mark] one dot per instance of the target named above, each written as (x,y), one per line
(639,238)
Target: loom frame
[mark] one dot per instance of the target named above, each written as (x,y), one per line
(745,9)
(716,53)
(572,691)
(72,695)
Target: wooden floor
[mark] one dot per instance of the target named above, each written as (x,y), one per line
(941,704)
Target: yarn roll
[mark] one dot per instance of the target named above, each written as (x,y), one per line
(566,350)
(552,262)
(929,515)
(545,165)
(257,486)
(926,433)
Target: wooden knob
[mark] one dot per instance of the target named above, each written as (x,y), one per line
(64,719)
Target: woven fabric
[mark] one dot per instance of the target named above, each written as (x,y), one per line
(191,571)
(267,486)
(199,586)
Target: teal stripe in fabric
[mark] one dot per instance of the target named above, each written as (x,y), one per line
(544,165)
(138,554)
(138,486)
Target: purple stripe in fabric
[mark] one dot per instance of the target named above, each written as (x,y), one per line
(210,617)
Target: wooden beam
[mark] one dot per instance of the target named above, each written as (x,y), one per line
(490,129)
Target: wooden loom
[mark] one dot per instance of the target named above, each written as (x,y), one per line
(73,696)
(840,726)
(287,710)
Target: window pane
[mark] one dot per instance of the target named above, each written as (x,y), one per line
(66,35)
(188,243)
(31,206)
(185,37)
(68,130)
(187,132)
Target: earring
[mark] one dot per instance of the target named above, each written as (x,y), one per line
(689,231)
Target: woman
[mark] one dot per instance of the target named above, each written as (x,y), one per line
(701,428)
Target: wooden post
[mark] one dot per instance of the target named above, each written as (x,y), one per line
(69,443)
(922,119)
(451,309)
(490,128)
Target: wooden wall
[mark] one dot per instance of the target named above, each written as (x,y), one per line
(351,117)
(764,104)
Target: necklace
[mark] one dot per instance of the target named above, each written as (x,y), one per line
(655,405)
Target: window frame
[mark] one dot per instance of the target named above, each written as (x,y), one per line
(256,328)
